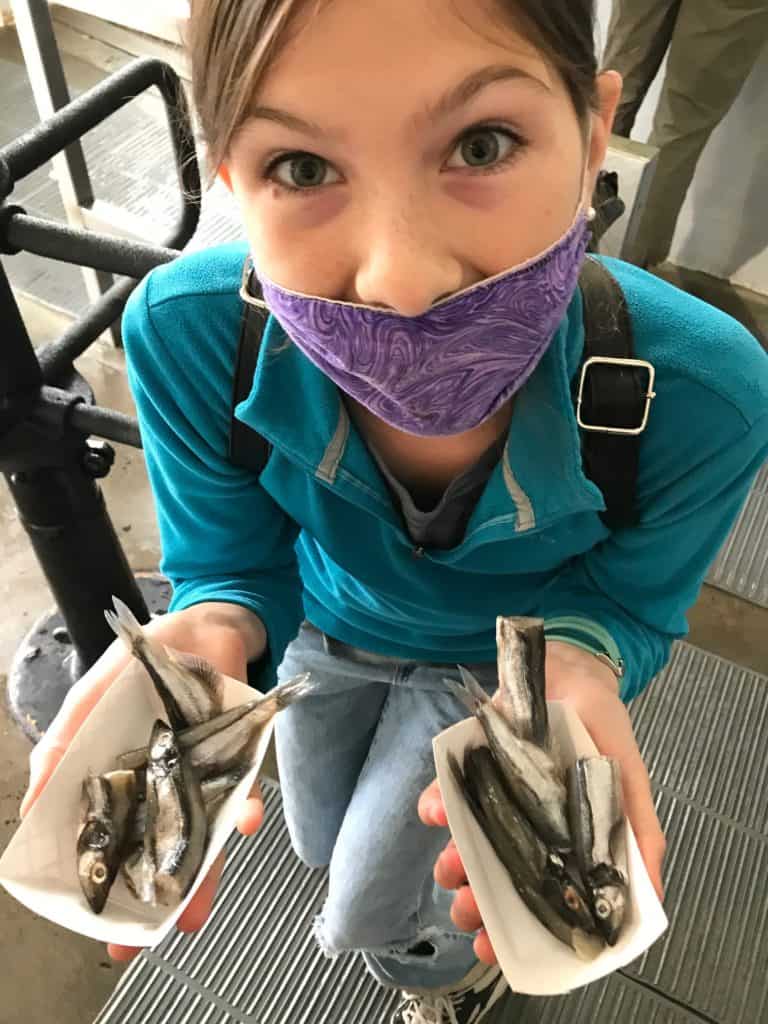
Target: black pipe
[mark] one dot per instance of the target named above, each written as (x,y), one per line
(20,375)
(57,241)
(107,423)
(59,409)
(57,357)
(63,512)
(40,144)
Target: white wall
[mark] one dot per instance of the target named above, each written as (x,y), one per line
(723,226)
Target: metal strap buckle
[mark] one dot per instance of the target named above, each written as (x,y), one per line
(245,294)
(649,395)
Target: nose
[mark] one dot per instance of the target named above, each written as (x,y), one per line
(405,266)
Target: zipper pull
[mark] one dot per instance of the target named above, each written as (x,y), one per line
(418,552)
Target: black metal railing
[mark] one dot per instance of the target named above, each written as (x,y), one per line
(48,455)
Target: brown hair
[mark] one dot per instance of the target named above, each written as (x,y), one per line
(231,44)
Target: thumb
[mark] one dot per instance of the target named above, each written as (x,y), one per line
(641,812)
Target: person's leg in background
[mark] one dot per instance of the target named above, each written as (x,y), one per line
(714,47)
(639,35)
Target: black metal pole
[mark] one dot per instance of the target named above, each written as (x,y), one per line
(51,474)
(50,463)
(58,356)
(63,512)
(72,245)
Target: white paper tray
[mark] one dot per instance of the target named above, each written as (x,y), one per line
(39,865)
(533,961)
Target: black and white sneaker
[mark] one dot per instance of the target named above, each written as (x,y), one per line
(467,1002)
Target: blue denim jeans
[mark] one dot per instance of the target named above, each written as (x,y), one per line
(353,759)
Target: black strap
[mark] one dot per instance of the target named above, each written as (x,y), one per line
(614,396)
(247,448)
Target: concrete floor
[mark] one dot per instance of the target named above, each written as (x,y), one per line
(49,974)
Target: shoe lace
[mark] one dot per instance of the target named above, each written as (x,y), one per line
(431,1010)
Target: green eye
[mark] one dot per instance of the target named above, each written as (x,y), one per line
(485,148)
(300,171)
(481,148)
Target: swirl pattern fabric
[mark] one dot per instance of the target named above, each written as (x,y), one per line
(453,367)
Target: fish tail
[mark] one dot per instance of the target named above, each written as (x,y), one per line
(292,690)
(125,625)
(473,685)
(461,692)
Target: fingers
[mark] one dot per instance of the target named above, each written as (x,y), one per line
(466,916)
(449,871)
(641,812)
(484,949)
(122,954)
(199,909)
(464,912)
(252,814)
(430,807)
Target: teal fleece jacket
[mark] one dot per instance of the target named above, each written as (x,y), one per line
(317,536)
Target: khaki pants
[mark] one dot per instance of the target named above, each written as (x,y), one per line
(713,45)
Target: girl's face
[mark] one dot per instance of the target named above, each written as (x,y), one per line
(401,150)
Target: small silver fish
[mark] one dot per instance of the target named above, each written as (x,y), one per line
(235,744)
(139,875)
(189,737)
(552,892)
(596,808)
(107,806)
(530,773)
(521,696)
(217,788)
(177,826)
(213,791)
(229,739)
(190,690)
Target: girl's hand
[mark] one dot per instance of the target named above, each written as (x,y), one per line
(225,635)
(592,689)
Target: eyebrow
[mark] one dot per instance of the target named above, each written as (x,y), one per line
(456,97)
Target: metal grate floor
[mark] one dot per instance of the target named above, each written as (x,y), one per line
(742,565)
(701,728)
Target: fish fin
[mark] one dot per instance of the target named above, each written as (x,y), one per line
(125,624)
(205,673)
(292,690)
(473,685)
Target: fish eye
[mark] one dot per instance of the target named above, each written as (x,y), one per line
(98,874)
(602,909)
(572,900)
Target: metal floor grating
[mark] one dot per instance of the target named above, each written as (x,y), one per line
(701,728)
(742,565)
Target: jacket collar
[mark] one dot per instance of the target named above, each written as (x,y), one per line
(299,411)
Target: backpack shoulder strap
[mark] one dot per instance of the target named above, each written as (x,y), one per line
(614,395)
(247,448)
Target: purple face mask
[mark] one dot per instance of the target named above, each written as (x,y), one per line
(453,367)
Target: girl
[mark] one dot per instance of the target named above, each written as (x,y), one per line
(414,178)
